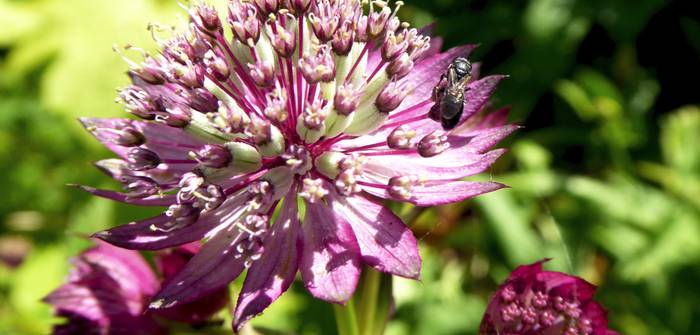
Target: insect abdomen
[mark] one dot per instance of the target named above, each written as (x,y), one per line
(450,111)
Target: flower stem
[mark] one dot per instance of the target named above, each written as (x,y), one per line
(368,300)
(346,319)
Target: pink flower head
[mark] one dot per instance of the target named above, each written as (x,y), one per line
(310,103)
(108,290)
(536,302)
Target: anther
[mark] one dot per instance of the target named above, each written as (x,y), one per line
(313,190)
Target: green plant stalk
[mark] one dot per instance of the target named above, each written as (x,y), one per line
(368,300)
(346,319)
(384,305)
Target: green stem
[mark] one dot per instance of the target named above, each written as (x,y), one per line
(346,319)
(385,304)
(368,300)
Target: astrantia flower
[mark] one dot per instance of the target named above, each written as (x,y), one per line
(321,101)
(536,302)
(108,290)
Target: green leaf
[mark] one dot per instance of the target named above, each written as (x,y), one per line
(510,222)
(41,272)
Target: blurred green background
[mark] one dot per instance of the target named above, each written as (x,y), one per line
(605,175)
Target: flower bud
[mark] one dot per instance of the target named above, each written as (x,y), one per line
(328,163)
(230,119)
(433,144)
(298,7)
(206,19)
(346,183)
(243,18)
(217,66)
(263,73)
(298,159)
(150,71)
(283,38)
(180,216)
(138,102)
(250,249)
(313,190)
(211,197)
(343,39)
(361,29)
(394,45)
(400,138)
(267,7)
(119,133)
(401,187)
(347,99)
(188,75)
(130,137)
(256,225)
(212,155)
(140,187)
(267,137)
(376,23)
(141,159)
(319,67)
(244,157)
(400,67)
(391,97)
(114,167)
(311,123)
(280,180)
(177,117)
(324,20)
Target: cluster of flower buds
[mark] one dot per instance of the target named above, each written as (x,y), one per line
(107,290)
(532,301)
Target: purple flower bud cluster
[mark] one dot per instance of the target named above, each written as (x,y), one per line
(108,288)
(533,301)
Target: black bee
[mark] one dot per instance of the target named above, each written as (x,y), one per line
(449,93)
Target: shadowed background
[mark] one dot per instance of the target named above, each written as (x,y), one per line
(605,175)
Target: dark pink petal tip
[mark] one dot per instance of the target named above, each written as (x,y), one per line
(273,273)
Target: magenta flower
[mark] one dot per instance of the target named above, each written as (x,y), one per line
(536,302)
(108,290)
(320,100)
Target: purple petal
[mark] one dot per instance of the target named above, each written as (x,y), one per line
(142,236)
(567,286)
(385,242)
(482,140)
(107,285)
(479,92)
(198,311)
(330,262)
(155,200)
(126,267)
(440,192)
(211,269)
(452,164)
(82,299)
(484,120)
(170,263)
(527,273)
(166,141)
(273,273)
